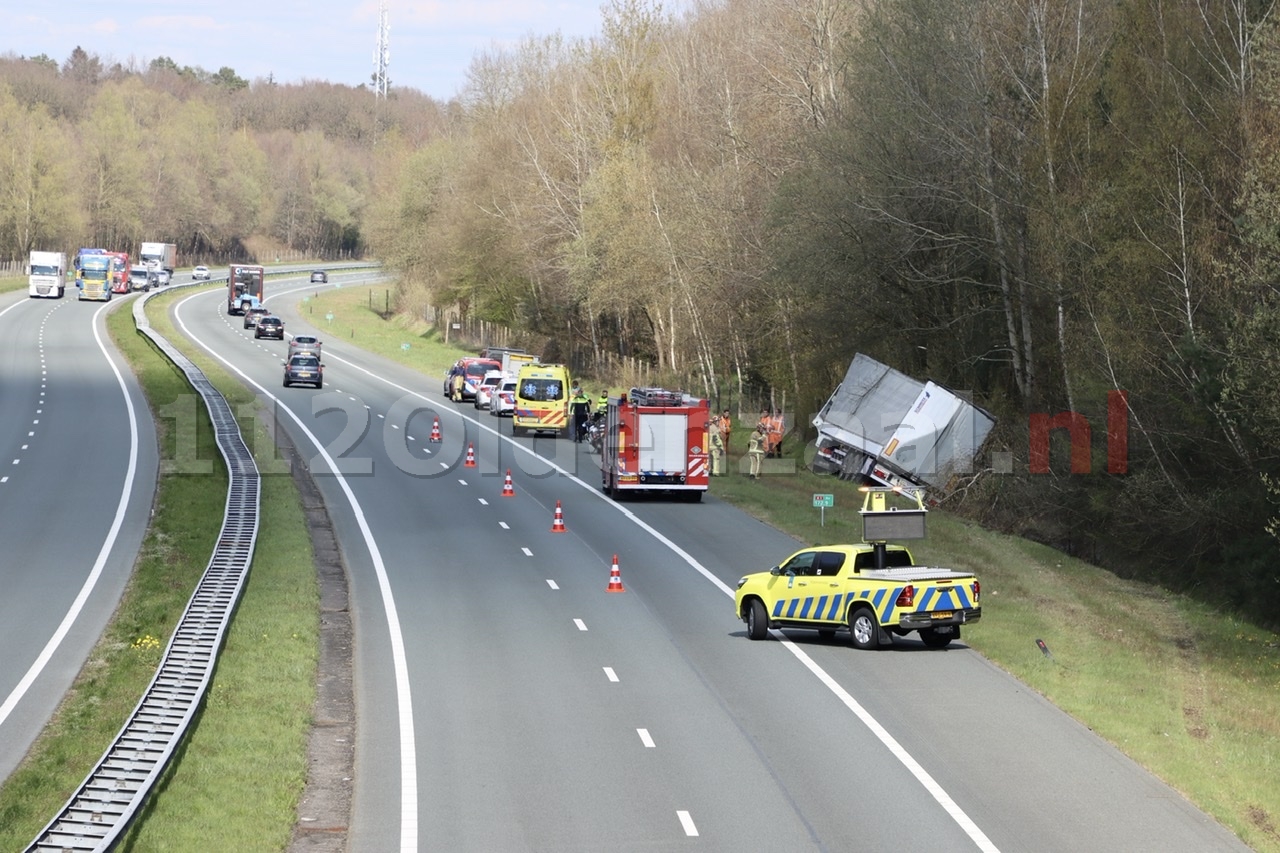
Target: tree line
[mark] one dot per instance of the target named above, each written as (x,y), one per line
(96,153)
(1045,202)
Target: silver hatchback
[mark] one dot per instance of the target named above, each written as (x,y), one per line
(304,345)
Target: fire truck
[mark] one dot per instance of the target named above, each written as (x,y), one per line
(656,440)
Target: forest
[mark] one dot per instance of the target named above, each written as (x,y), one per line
(1061,206)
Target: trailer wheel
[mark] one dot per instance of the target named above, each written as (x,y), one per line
(863,629)
(757,620)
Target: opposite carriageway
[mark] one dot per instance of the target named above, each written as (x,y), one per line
(111,796)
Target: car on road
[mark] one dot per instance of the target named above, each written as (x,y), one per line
(303,370)
(200,273)
(487,388)
(304,345)
(253,315)
(319,276)
(138,279)
(269,326)
(503,400)
(875,591)
(162,277)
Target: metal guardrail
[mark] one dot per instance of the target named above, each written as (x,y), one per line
(112,794)
(110,797)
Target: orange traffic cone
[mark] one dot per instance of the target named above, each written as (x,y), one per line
(508,490)
(471,457)
(435,431)
(557,525)
(615,578)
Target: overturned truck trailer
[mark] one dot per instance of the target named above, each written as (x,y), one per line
(884,427)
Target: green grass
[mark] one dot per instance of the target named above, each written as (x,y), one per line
(356,320)
(243,769)
(1188,692)
(11,283)
(238,777)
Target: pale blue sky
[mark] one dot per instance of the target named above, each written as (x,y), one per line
(432,41)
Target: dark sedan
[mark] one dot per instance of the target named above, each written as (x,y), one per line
(303,370)
(269,326)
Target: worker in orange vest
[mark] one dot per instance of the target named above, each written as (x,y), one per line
(776,429)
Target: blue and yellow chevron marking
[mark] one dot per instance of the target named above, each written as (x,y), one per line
(948,598)
(832,607)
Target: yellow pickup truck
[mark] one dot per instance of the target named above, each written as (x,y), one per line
(875,591)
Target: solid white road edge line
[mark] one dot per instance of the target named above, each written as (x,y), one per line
(404,702)
(42,660)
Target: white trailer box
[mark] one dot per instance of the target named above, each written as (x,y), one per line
(47,274)
(883,426)
(162,255)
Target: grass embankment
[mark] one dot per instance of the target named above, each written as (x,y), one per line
(1188,692)
(236,781)
(11,283)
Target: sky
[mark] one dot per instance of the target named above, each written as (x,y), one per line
(431,42)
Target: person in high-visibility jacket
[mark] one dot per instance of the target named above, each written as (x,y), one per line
(755,451)
(602,403)
(776,429)
(717,448)
(580,406)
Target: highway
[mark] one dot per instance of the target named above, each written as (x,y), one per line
(506,701)
(78,462)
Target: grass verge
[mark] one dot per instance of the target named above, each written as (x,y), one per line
(1190,693)
(236,780)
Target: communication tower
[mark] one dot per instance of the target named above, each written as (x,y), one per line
(382,55)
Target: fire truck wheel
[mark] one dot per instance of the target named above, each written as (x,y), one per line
(757,620)
(863,629)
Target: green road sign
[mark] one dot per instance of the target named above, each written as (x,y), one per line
(824,500)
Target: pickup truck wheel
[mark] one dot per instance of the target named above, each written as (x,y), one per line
(863,629)
(933,639)
(757,620)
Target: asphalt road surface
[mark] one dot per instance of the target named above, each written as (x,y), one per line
(78,463)
(506,701)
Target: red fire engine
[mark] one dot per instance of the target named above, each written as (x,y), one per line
(656,441)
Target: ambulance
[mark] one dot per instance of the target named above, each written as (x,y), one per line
(542,400)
